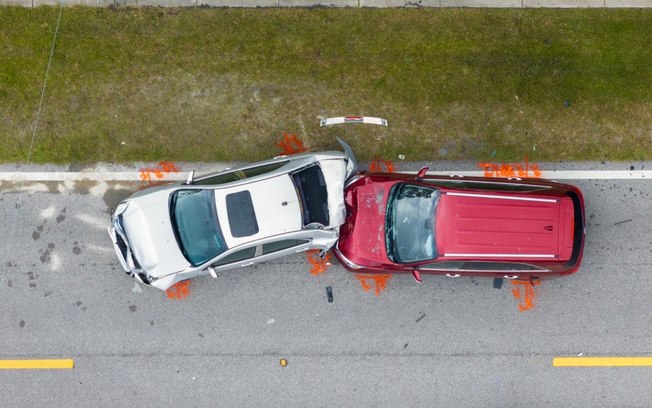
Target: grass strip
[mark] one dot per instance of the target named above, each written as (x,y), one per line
(197,84)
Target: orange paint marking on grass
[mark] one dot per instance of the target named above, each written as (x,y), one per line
(179,291)
(291,144)
(318,264)
(524,169)
(378,165)
(376,282)
(526,296)
(159,172)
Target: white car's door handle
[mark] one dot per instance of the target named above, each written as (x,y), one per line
(246,264)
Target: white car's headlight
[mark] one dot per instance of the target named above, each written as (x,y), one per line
(122,207)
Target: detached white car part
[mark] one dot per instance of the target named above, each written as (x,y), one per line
(233,218)
(369,120)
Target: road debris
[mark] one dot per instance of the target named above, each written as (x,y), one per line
(622,222)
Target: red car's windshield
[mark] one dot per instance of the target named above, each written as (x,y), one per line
(410,223)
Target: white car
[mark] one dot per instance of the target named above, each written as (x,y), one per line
(233,218)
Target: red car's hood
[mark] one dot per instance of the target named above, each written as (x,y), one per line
(534,228)
(362,237)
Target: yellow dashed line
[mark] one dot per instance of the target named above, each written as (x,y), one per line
(36,364)
(602,362)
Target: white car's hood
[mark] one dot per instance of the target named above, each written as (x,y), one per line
(147,220)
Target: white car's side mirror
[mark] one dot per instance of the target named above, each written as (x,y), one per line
(191,177)
(314,225)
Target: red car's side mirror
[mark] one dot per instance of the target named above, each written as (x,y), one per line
(417,276)
(422,173)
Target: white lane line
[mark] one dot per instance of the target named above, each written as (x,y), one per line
(136,175)
(86,175)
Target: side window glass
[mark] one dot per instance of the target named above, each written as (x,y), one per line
(236,256)
(445,265)
(258,170)
(452,183)
(281,245)
(221,178)
(241,174)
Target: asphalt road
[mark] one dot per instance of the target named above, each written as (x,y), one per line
(446,343)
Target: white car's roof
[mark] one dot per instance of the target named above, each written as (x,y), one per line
(275,204)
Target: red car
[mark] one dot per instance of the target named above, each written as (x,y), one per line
(461,226)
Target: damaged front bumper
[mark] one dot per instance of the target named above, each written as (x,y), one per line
(121,246)
(126,258)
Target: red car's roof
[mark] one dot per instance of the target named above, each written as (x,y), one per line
(469,225)
(503,226)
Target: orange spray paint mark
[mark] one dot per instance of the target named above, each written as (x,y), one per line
(526,296)
(179,291)
(378,165)
(376,282)
(291,144)
(159,172)
(524,169)
(318,264)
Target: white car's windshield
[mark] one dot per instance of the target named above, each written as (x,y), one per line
(196,225)
(410,223)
